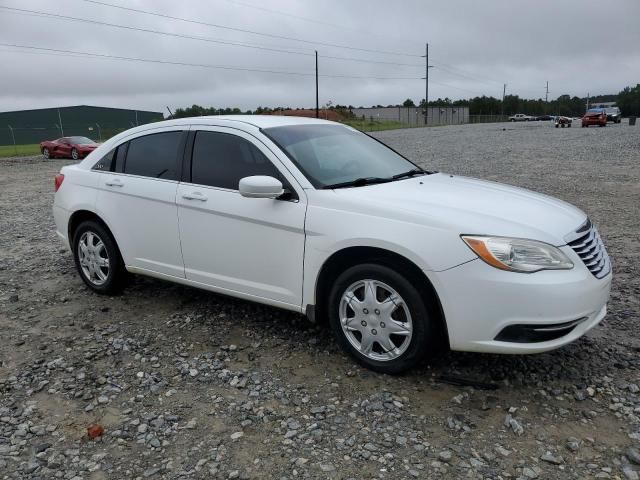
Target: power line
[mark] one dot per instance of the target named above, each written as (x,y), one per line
(451,72)
(466,73)
(58,51)
(198,38)
(290,15)
(235,29)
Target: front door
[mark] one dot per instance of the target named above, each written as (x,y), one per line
(251,247)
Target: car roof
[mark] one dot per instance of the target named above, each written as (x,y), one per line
(243,122)
(259,121)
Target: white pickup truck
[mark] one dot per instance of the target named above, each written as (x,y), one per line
(521,117)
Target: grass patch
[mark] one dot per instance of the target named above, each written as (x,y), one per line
(19,150)
(369,126)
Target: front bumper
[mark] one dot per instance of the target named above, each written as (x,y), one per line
(480,301)
(84,152)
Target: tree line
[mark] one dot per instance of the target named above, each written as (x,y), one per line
(628,100)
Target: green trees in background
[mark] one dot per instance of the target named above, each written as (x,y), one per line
(629,101)
(198,111)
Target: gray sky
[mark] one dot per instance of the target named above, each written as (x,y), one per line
(579,46)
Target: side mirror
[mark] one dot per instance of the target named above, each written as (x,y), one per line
(260,186)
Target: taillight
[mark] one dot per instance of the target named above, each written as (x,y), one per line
(57,181)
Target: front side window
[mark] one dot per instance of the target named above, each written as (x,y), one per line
(154,155)
(222,159)
(333,154)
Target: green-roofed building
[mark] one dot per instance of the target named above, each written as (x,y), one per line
(97,123)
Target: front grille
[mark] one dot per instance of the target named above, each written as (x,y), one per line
(586,242)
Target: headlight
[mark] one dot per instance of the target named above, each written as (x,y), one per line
(518,255)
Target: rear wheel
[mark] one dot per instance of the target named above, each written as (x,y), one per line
(98,259)
(74,154)
(380,319)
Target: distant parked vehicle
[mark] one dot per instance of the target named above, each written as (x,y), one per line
(521,117)
(595,116)
(561,121)
(68,147)
(545,118)
(613,114)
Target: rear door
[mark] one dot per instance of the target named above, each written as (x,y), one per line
(253,247)
(137,200)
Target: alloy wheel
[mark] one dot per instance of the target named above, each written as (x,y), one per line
(376,320)
(93,258)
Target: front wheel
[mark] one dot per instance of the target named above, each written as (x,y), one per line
(380,319)
(74,154)
(97,258)
(46,154)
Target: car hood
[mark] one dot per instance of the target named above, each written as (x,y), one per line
(467,205)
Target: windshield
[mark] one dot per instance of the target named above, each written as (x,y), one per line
(332,154)
(595,110)
(81,141)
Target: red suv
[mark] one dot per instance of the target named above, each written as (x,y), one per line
(595,116)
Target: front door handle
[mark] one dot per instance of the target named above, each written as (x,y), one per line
(114,183)
(195,196)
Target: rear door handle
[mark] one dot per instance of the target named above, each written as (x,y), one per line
(114,183)
(195,196)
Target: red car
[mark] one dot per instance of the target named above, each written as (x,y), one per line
(595,116)
(68,147)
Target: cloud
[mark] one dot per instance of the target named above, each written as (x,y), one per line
(579,46)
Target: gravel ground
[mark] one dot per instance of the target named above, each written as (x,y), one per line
(189,384)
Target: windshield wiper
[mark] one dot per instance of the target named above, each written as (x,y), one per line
(410,173)
(358,182)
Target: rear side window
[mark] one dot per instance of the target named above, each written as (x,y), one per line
(222,159)
(154,155)
(105,164)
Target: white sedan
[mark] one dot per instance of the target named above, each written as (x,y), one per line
(318,218)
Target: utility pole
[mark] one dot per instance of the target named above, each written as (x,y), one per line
(546,97)
(14,140)
(587,101)
(317,106)
(170,112)
(426,83)
(61,127)
(504,91)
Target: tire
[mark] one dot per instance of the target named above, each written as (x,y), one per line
(408,315)
(46,153)
(106,280)
(512,120)
(74,154)
(568,125)
(557,125)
